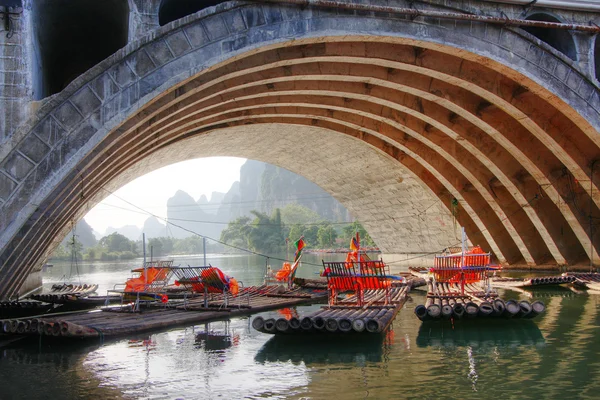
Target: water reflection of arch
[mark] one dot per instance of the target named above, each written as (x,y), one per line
(574,350)
(56,369)
(312,350)
(550,317)
(561,332)
(508,334)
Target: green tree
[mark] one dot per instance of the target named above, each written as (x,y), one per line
(115,242)
(349,231)
(90,254)
(293,214)
(189,245)
(326,235)
(295,232)
(311,235)
(267,233)
(167,245)
(155,247)
(236,233)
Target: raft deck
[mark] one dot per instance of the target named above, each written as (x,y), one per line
(510,283)
(375,316)
(448,300)
(111,322)
(520,283)
(584,280)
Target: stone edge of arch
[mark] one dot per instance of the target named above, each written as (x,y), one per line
(51,103)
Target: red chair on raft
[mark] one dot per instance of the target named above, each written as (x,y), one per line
(458,268)
(150,283)
(357,276)
(206,280)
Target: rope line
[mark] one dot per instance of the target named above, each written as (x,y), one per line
(203,236)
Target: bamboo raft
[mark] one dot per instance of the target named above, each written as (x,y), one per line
(583,280)
(60,293)
(17,309)
(509,283)
(447,300)
(345,317)
(117,321)
(45,303)
(518,283)
(376,298)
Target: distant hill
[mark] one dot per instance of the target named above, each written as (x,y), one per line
(153,228)
(280,187)
(84,234)
(131,232)
(264,187)
(261,187)
(187,216)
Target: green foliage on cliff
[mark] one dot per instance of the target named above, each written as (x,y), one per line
(111,247)
(269,234)
(264,234)
(68,250)
(350,230)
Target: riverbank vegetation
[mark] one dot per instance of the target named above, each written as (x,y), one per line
(261,233)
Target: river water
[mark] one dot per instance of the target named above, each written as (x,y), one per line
(556,355)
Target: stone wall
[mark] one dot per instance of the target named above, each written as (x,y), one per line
(18,65)
(15,73)
(143,17)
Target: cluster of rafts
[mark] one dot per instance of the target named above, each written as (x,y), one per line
(459,286)
(153,283)
(374,299)
(363,297)
(61,293)
(471,304)
(36,326)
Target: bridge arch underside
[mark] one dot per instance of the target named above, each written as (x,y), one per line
(516,158)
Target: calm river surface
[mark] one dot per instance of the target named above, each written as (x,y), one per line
(556,355)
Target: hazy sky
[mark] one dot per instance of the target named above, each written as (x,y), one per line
(150,192)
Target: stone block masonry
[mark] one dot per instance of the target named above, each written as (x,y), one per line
(15,92)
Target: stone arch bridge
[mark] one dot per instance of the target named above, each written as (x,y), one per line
(413,122)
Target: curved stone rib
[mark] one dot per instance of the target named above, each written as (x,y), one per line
(72,198)
(542,181)
(478,154)
(437,150)
(510,109)
(554,251)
